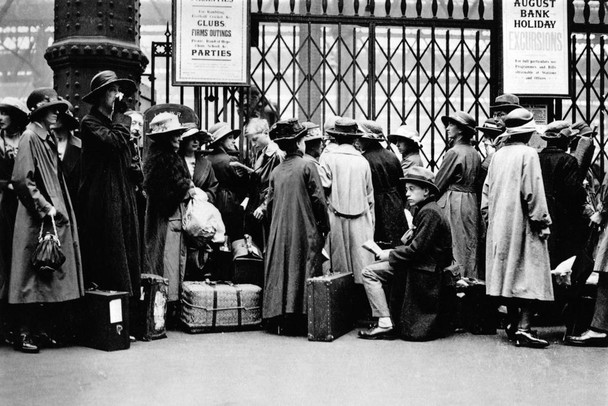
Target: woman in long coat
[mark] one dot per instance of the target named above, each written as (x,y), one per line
(168,185)
(43,193)
(515,209)
(457,181)
(111,251)
(298,212)
(13,119)
(389,193)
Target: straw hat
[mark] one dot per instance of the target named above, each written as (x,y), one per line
(345,127)
(463,120)
(520,121)
(557,130)
(219,131)
(404,132)
(285,130)
(16,109)
(165,124)
(313,131)
(371,130)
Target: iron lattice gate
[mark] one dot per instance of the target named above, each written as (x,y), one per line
(408,61)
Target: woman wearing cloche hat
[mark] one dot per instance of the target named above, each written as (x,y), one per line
(457,179)
(111,251)
(43,200)
(515,210)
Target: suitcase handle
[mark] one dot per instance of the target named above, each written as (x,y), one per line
(219,308)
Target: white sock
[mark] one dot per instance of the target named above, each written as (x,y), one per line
(385,322)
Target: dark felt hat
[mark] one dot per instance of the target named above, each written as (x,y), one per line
(16,109)
(505,102)
(105,78)
(492,128)
(42,99)
(421,176)
(285,130)
(345,127)
(219,131)
(463,120)
(67,118)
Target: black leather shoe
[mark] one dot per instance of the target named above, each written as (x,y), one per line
(511,329)
(25,344)
(586,340)
(378,333)
(528,338)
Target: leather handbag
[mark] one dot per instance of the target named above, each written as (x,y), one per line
(245,248)
(48,257)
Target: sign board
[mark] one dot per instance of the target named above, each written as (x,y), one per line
(211,42)
(535,47)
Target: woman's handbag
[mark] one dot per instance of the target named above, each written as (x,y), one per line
(48,257)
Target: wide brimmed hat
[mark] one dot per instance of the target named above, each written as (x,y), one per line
(371,130)
(463,120)
(285,130)
(313,131)
(345,127)
(16,109)
(520,121)
(164,125)
(405,133)
(421,176)
(582,129)
(104,79)
(43,99)
(557,130)
(67,118)
(492,128)
(193,131)
(219,131)
(505,102)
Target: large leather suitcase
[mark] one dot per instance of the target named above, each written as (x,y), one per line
(107,320)
(247,262)
(330,308)
(153,307)
(210,307)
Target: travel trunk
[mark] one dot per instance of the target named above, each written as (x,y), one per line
(107,320)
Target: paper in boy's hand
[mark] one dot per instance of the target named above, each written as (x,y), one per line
(372,247)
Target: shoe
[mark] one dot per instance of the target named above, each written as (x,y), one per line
(46,341)
(511,329)
(378,333)
(25,344)
(587,340)
(529,338)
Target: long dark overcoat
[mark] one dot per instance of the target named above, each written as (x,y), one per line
(417,304)
(231,191)
(111,249)
(40,185)
(389,194)
(204,177)
(8,211)
(565,199)
(166,182)
(298,213)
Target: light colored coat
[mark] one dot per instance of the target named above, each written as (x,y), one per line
(515,208)
(351,208)
(40,185)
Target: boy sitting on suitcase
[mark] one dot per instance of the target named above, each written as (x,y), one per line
(413,270)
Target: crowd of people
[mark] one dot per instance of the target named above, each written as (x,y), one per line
(310,198)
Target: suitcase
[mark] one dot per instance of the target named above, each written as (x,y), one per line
(210,307)
(153,307)
(330,307)
(248,262)
(107,320)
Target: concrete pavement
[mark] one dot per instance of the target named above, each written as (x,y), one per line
(256,368)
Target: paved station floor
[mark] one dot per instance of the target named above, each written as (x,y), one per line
(256,368)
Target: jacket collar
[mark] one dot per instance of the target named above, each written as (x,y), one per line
(39,130)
